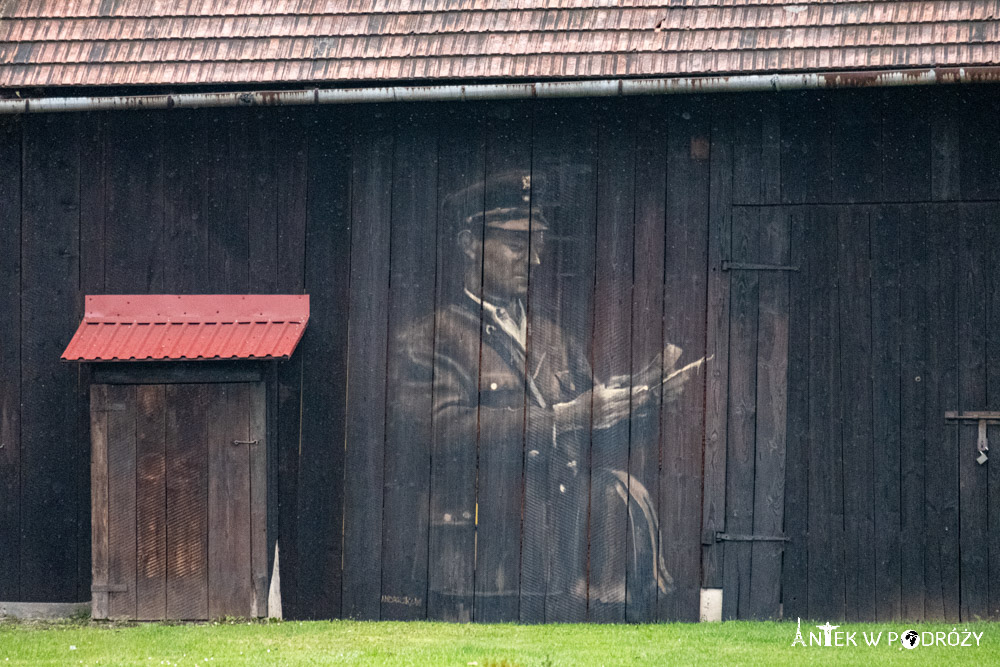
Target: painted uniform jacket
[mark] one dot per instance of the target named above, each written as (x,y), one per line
(480,391)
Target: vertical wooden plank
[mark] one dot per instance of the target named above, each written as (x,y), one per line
(941,453)
(50,273)
(795,564)
(151,504)
(502,410)
(228,226)
(855,271)
(262,150)
(682,419)
(826,485)
(979,145)
(261,549)
(612,355)
(742,414)
(134,221)
(324,378)
(992,243)
(366,362)
(757,150)
(185,230)
(747,138)
(91,281)
(771,413)
(644,578)
(409,392)
(291,183)
(121,408)
(10,359)
(99,498)
(188,410)
(717,342)
(263,231)
(856,145)
(229,581)
(560,302)
(946,121)
(906,143)
(454,426)
(973,485)
(886,373)
(806,151)
(913,413)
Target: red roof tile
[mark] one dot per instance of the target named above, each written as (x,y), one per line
(150,42)
(148,327)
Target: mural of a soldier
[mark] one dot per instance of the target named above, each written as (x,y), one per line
(491,368)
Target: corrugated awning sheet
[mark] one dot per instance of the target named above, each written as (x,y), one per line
(151,42)
(151,327)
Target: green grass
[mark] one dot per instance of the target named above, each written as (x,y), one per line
(346,642)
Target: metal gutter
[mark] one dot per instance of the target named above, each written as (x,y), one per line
(509,91)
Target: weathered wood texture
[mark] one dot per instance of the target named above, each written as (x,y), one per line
(177,527)
(817,416)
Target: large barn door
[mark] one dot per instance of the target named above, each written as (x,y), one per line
(749,541)
(178,525)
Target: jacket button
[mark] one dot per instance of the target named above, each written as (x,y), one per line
(493,386)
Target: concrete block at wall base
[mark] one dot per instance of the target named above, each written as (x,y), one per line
(44,610)
(711,605)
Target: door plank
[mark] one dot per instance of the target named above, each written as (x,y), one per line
(742,414)
(99,498)
(975,522)
(259,544)
(771,411)
(121,500)
(229,583)
(854,278)
(187,418)
(886,337)
(151,504)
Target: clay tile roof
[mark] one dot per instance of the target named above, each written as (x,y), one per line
(148,327)
(152,42)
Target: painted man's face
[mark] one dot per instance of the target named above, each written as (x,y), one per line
(506,258)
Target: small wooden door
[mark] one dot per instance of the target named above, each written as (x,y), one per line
(179,500)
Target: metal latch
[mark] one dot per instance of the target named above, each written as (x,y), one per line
(984,418)
(244,442)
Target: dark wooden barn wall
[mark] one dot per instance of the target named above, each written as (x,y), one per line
(887,202)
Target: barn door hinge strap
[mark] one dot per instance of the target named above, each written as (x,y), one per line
(984,418)
(735,537)
(108,588)
(745,266)
(244,442)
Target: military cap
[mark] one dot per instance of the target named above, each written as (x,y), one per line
(508,196)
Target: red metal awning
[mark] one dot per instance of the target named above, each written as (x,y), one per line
(154,327)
